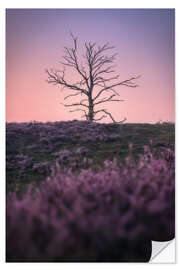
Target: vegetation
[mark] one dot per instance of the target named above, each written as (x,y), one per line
(85,192)
(95,79)
(32,148)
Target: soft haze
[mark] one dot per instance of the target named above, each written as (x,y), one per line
(143,39)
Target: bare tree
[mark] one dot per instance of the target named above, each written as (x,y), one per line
(95,80)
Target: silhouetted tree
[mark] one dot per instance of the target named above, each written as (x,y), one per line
(94,74)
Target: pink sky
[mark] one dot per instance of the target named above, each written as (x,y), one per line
(144,40)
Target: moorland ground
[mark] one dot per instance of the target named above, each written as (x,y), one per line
(88,192)
(32,148)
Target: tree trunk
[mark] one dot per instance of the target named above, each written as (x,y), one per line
(91,110)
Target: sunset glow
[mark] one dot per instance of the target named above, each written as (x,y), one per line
(143,39)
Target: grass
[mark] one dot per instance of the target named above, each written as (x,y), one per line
(162,135)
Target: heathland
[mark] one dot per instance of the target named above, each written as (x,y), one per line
(82,191)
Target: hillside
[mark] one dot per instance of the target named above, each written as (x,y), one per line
(87,192)
(32,148)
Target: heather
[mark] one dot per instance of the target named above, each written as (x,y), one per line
(33,148)
(97,193)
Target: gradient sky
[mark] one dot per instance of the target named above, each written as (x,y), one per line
(143,39)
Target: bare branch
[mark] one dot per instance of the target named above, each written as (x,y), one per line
(108,99)
(110,115)
(55,78)
(99,79)
(85,114)
(75,104)
(75,110)
(128,83)
(85,99)
(103,116)
(94,73)
(71,60)
(72,95)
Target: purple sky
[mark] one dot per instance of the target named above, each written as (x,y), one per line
(143,38)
